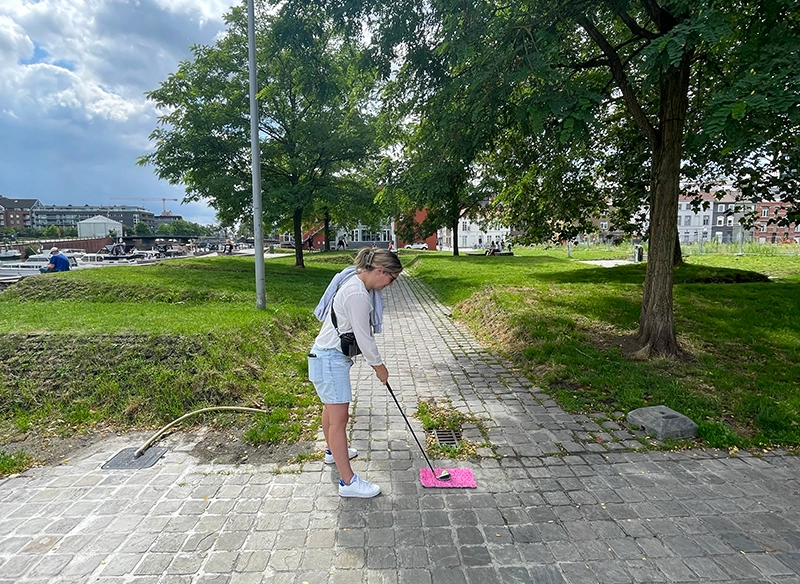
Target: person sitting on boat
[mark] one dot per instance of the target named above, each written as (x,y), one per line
(58,262)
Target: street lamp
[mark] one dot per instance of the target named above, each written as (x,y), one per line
(255,153)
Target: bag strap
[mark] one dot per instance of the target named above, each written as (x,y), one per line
(334,320)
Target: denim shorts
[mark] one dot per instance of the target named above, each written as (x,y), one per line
(329,371)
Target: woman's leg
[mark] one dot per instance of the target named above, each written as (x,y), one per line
(336,435)
(325,425)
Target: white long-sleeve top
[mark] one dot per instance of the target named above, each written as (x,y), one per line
(353,310)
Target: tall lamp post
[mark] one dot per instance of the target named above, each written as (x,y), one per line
(255,152)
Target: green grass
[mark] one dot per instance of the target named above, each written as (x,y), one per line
(443,416)
(136,347)
(13,463)
(567,325)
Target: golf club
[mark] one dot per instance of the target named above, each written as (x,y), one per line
(444,475)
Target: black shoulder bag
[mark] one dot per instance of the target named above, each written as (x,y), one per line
(349,345)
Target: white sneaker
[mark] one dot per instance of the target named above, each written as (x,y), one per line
(358,487)
(351,453)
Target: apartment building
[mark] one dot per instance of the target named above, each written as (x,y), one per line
(70,216)
(714,219)
(766,233)
(473,235)
(17,213)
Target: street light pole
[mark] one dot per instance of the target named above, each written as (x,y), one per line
(255,152)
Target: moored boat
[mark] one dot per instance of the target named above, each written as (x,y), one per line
(10,254)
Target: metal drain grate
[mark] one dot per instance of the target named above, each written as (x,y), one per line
(447,436)
(124,459)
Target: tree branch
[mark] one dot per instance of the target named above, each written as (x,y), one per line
(663,20)
(635,28)
(618,72)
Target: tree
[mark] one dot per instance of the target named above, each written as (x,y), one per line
(314,127)
(439,171)
(142,228)
(183,227)
(561,72)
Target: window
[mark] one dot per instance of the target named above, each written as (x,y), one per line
(762,228)
(721,208)
(465,226)
(797,228)
(706,220)
(688,220)
(680,206)
(765,211)
(604,225)
(686,236)
(720,220)
(730,221)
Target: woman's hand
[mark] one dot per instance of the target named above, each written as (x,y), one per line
(382,372)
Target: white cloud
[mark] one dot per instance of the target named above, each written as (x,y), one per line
(73,73)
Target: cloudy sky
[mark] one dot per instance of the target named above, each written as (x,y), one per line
(73,115)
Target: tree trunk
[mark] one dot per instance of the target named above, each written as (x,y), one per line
(297,218)
(455,236)
(677,257)
(327,230)
(657,322)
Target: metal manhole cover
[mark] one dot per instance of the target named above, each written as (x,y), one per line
(124,458)
(447,436)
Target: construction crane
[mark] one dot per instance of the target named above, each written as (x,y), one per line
(162,199)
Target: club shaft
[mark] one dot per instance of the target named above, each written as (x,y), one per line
(410,429)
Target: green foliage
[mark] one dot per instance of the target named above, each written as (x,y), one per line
(315,127)
(182,227)
(14,462)
(142,228)
(435,416)
(570,106)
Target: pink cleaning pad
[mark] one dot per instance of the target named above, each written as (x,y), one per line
(460,478)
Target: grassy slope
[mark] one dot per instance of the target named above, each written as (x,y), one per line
(140,346)
(567,323)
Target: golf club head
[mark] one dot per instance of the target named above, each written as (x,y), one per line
(444,476)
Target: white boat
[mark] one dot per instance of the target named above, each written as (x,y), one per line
(104,259)
(32,266)
(20,269)
(9,254)
(42,259)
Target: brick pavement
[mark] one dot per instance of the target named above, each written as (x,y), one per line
(560,498)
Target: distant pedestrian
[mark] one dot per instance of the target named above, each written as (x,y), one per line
(340,244)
